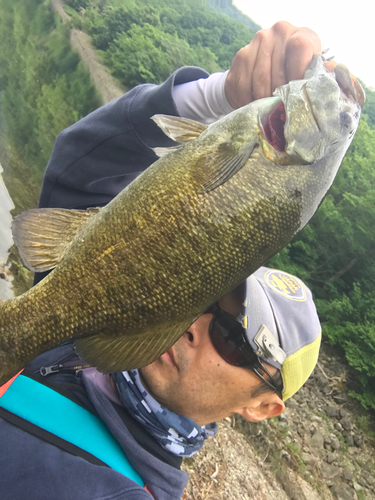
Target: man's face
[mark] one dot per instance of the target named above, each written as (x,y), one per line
(192,379)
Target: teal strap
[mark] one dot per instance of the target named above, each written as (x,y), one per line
(50,410)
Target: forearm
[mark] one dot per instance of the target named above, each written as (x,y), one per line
(203,100)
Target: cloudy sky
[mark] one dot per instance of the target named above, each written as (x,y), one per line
(347,29)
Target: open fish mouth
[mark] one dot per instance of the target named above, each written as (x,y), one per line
(273,124)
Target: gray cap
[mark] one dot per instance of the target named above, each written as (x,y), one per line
(282,324)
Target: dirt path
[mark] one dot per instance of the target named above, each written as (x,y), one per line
(106,86)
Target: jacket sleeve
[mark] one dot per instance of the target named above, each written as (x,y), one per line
(94,159)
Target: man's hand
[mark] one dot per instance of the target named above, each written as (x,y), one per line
(274,57)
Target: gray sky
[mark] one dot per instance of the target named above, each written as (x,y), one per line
(346,28)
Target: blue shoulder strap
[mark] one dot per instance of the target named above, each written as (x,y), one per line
(57,414)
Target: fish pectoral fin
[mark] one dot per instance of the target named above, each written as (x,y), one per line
(109,353)
(43,236)
(220,165)
(179,129)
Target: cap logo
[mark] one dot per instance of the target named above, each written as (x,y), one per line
(286,285)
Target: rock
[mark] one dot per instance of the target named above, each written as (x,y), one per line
(357,440)
(332,412)
(362,481)
(317,440)
(2,276)
(338,427)
(367,468)
(285,456)
(349,440)
(343,413)
(327,445)
(309,459)
(342,493)
(347,475)
(331,457)
(330,472)
(292,404)
(315,418)
(300,431)
(346,423)
(357,487)
(335,443)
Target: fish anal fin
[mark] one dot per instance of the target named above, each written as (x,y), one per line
(126,352)
(43,236)
(179,129)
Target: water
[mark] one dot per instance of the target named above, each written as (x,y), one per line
(6,240)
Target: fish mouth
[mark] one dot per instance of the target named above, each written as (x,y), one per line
(272,125)
(272,135)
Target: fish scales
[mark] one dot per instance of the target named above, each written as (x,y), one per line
(188,230)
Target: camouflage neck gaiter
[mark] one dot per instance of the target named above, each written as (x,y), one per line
(177,434)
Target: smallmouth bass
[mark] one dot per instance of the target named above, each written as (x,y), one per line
(131,277)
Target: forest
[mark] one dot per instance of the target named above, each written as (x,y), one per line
(44,88)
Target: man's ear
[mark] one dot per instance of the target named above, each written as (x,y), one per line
(265,406)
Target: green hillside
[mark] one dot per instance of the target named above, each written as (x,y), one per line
(145,41)
(43,89)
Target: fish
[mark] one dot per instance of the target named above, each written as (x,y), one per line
(129,279)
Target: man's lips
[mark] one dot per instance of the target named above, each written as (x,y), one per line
(169,357)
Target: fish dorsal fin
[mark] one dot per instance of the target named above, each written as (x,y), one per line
(179,129)
(43,236)
(222,163)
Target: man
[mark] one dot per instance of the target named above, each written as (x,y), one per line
(245,355)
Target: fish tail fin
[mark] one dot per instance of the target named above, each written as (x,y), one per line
(9,366)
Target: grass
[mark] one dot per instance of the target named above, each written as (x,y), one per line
(361,495)
(366,424)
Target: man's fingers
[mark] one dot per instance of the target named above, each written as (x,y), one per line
(278,70)
(274,57)
(299,50)
(238,88)
(261,75)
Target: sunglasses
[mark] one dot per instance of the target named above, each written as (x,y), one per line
(228,337)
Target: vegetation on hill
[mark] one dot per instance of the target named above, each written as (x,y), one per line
(43,89)
(145,41)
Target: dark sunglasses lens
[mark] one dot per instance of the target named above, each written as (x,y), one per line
(226,336)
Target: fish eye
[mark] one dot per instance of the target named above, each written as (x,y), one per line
(345,119)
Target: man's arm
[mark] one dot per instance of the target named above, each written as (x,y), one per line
(94,159)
